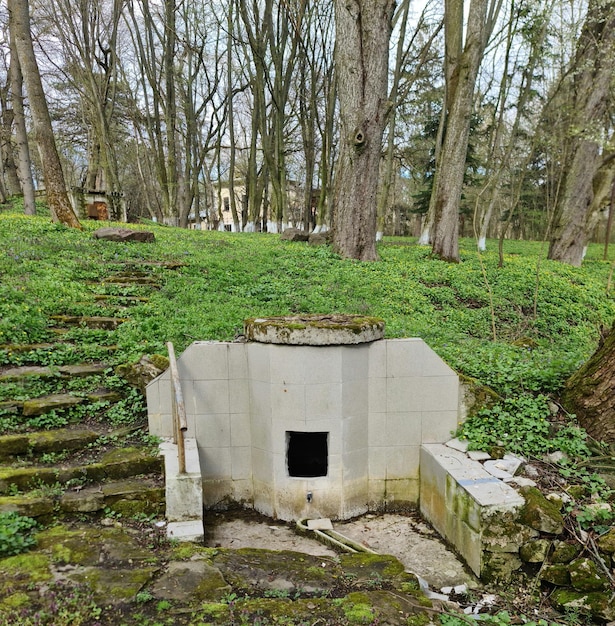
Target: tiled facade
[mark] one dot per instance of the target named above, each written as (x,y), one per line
(375,404)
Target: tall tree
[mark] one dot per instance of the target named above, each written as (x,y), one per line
(592,76)
(55,187)
(24,164)
(363,31)
(463,56)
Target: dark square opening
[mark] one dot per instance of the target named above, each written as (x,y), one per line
(307,454)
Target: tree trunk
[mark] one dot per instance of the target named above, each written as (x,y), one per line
(24,164)
(461,72)
(591,96)
(589,392)
(55,186)
(363,30)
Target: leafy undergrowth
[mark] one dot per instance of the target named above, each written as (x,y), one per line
(521,335)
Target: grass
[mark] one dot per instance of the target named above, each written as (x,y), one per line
(547,316)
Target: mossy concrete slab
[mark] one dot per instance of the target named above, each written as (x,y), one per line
(85,501)
(104,395)
(23,478)
(45,404)
(13,445)
(132,496)
(315,330)
(61,439)
(28,506)
(92,546)
(365,567)
(113,586)
(283,571)
(187,581)
(385,607)
(27,371)
(100,322)
(88,369)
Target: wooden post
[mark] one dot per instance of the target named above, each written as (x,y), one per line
(180,426)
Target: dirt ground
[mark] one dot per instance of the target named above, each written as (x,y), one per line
(403,535)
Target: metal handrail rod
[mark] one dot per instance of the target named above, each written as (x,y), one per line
(180,425)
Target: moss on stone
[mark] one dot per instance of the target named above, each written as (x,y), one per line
(598,605)
(366,566)
(358,609)
(539,513)
(15,601)
(74,547)
(556,574)
(113,586)
(584,576)
(32,566)
(564,552)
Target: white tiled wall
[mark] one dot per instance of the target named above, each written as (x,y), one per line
(378,402)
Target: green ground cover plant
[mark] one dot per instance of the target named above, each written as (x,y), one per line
(520,329)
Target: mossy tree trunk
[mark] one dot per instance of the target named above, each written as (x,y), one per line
(589,392)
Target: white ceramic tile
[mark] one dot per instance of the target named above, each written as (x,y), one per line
(241,463)
(355,362)
(239,396)
(377,462)
(440,393)
(258,361)
(355,434)
(404,429)
(355,398)
(262,466)
(213,430)
(355,464)
(260,398)
(405,357)
(204,361)
(438,426)
(404,395)
(237,355)
(210,396)
(241,434)
(403,462)
(323,400)
(377,395)
(215,462)
(287,365)
(433,365)
(260,429)
(377,429)
(377,367)
(287,401)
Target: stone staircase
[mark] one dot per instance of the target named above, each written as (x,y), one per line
(63,449)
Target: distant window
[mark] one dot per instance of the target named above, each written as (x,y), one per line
(307,454)
(227,204)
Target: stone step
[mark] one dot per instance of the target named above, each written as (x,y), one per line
(121,300)
(90,321)
(114,465)
(46,441)
(62,371)
(45,404)
(125,497)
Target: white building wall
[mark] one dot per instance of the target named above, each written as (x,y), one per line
(377,401)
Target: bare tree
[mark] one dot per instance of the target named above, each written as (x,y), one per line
(24,164)
(55,187)
(363,31)
(463,57)
(590,86)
